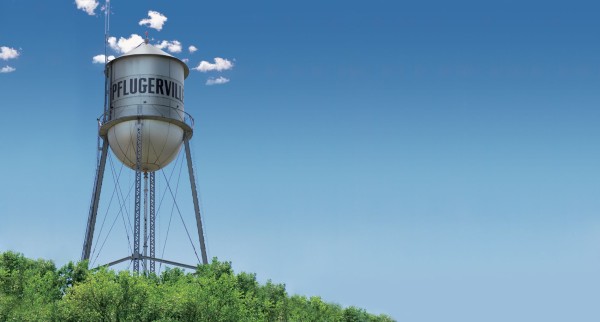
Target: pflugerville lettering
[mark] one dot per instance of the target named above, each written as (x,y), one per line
(146,85)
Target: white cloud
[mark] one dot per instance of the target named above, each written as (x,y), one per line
(7,69)
(88,6)
(192,49)
(7,53)
(172,46)
(156,20)
(185,60)
(219,65)
(125,44)
(99,59)
(217,81)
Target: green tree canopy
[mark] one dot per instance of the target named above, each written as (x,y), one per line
(35,290)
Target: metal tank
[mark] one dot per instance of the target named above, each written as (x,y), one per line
(146,91)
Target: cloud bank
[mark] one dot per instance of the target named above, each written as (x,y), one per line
(99,59)
(124,45)
(156,20)
(7,53)
(217,81)
(172,46)
(7,69)
(89,6)
(220,64)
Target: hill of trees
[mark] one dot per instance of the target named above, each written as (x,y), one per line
(36,290)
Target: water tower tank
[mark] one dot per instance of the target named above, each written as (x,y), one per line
(146,90)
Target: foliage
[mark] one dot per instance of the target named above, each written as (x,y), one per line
(35,290)
(29,290)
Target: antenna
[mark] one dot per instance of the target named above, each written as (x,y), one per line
(106,28)
(106,33)
(106,82)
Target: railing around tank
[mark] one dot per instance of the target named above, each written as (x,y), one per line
(149,111)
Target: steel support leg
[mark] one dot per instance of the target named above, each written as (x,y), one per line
(138,188)
(91,223)
(195,198)
(145,222)
(152,222)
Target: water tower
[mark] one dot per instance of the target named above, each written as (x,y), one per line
(145,125)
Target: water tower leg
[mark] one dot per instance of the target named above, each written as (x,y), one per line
(152,222)
(145,222)
(138,187)
(89,231)
(195,197)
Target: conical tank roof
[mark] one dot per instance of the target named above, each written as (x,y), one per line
(148,49)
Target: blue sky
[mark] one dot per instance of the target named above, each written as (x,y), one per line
(432,160)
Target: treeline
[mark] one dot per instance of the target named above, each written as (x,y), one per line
(36,290)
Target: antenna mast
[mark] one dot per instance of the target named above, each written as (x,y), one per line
(106,33)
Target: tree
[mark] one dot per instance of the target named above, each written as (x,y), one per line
(34,290)
(29,289)
(95,299)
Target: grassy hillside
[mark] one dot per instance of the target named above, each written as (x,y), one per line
(35,290)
